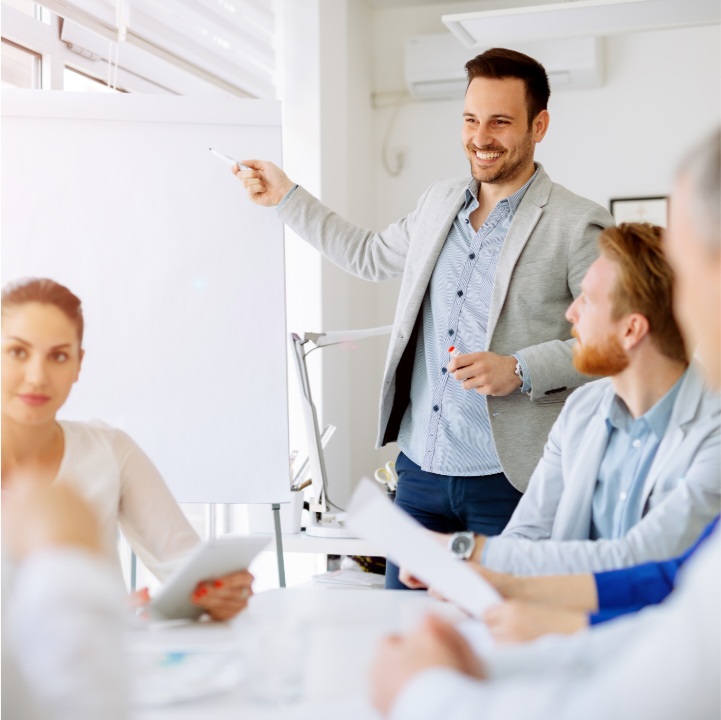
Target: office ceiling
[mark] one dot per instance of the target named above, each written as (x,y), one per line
(384,4)
(479,5)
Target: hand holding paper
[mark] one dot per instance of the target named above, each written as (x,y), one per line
(409,545)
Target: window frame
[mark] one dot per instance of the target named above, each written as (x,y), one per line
(37,66)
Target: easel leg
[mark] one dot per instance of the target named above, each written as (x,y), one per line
(133,572)
(279,544)
(210,516)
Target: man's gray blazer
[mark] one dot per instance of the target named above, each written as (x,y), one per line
(549,530)
(549,246)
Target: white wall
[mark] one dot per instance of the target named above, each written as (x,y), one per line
(663,90)
(328,139)
(662,93)
(351,375)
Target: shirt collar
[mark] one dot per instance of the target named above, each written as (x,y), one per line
(513,201)
(657,418)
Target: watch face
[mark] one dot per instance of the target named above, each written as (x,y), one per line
(462,544)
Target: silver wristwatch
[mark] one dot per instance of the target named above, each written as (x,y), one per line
(519,371)
(461,544)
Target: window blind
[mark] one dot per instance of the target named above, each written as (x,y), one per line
(229,41)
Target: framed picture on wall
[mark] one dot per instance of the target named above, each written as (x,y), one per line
(640,209)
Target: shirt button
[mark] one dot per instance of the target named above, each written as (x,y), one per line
(435,408)
(467,221)
(444,370)
(472,256)
(450,332)
(622,496)
(636,443)
(460,293)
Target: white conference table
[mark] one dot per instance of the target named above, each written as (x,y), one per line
(339,629)
(301,542)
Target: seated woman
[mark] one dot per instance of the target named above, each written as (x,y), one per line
(42,333)
(563,604)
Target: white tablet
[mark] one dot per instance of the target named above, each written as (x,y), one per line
(210,560)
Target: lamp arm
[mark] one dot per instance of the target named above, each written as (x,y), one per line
(335,337)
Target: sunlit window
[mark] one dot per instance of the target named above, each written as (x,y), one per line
(20,67)
(24,6)
(75,81)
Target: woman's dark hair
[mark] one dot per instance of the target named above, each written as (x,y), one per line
(47,292)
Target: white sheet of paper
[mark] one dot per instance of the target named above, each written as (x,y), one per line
(374,517)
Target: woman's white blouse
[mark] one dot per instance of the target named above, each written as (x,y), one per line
(112,473)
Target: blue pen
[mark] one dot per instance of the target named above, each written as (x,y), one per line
(228,159)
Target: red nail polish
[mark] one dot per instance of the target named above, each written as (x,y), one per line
(202,592)
(218,583)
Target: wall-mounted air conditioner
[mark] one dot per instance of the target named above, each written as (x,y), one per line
(435,64)
(580,18)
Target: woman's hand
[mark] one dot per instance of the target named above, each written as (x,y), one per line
(519,622)
(139,599)
(224,597)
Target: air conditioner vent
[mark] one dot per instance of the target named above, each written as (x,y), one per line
(435,64)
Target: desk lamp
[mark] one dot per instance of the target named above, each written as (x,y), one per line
(323,522)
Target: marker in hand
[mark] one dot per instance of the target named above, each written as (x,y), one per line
(226,158)
(454,352)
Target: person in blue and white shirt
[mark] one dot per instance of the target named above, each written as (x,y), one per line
(489,264)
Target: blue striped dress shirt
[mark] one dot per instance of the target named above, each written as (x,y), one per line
(446,429)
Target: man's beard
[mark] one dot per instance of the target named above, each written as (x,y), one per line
(606,359)
(506,173)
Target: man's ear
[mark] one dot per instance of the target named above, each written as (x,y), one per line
(637,328)
(539,125)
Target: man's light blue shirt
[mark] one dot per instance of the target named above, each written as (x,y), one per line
(446,429)
(631,449)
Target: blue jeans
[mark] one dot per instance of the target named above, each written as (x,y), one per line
(482,504)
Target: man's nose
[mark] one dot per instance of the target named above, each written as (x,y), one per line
(481,137)
(571,314)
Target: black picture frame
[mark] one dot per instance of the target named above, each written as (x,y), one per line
(652,209)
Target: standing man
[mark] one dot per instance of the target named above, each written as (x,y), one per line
(489,266)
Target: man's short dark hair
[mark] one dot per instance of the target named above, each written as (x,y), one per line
(500,63)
